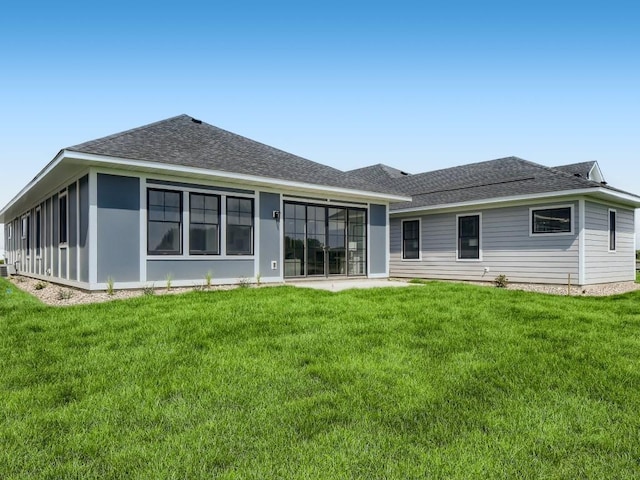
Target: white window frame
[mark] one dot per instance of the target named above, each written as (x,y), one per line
(188,212)
(186,218)
(253,226)
(9,231)
(457,236)
(183,217)
(419,220)
(615,231)
(549,207)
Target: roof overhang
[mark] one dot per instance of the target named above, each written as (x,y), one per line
(68,162)
(597,193)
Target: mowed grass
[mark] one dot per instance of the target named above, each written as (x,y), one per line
(431,381)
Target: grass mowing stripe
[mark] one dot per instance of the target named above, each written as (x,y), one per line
(441,380)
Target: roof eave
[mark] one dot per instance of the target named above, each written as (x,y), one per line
(252,179)
(46,170)
(623,198)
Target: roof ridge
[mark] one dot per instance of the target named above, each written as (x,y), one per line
(99,141)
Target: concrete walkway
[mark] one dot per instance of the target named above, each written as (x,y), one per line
(337,285)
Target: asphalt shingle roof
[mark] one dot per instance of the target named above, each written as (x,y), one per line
(582,168)
(503,177)
(185,141)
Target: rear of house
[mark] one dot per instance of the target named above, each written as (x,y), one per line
(181,200)
(511,217)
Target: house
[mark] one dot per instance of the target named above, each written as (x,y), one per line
(510,217)
(180,199)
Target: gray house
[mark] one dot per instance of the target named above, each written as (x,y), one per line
(512,217)
(182,199)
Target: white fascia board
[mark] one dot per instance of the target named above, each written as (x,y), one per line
(47,169)
(252,179)
(625,198)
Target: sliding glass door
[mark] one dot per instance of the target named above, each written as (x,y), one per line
(323,241)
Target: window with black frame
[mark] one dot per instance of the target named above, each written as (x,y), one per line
(164,222)
(63,230)
(410,239)
(469,237)
(612,230)
(551,220)
(239,226)
(204,224)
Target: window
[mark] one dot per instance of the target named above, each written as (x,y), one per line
(204,222)
(26,233)
(411,239)
(239,226)
(9,232)
(38,232)
(469,237)
(612,230)
(164,222)
(62,219)
(551,220)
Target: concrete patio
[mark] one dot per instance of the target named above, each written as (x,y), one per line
(337,285)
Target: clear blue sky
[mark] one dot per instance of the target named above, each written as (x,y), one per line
(417,85)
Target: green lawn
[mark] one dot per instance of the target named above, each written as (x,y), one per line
(433,381)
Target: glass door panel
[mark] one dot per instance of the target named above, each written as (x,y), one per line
(357,242)
(294,240)
(316,237)
(336,241)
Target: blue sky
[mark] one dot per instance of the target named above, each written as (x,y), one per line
(417,85)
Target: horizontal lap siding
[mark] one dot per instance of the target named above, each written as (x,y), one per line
(603,266)
(507,248)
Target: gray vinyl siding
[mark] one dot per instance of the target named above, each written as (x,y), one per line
(603,266)
(506,248)
(118,239)
(63,263)
(378,239)
(83,245)
(72,218)
(196,269)
(270,238)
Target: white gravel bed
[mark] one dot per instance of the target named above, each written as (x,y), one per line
(59,295)
(600,290)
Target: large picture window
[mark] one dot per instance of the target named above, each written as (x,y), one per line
(239,226)
(411,239)
(204,223)
(551,220)
(164,224)
(469,237)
